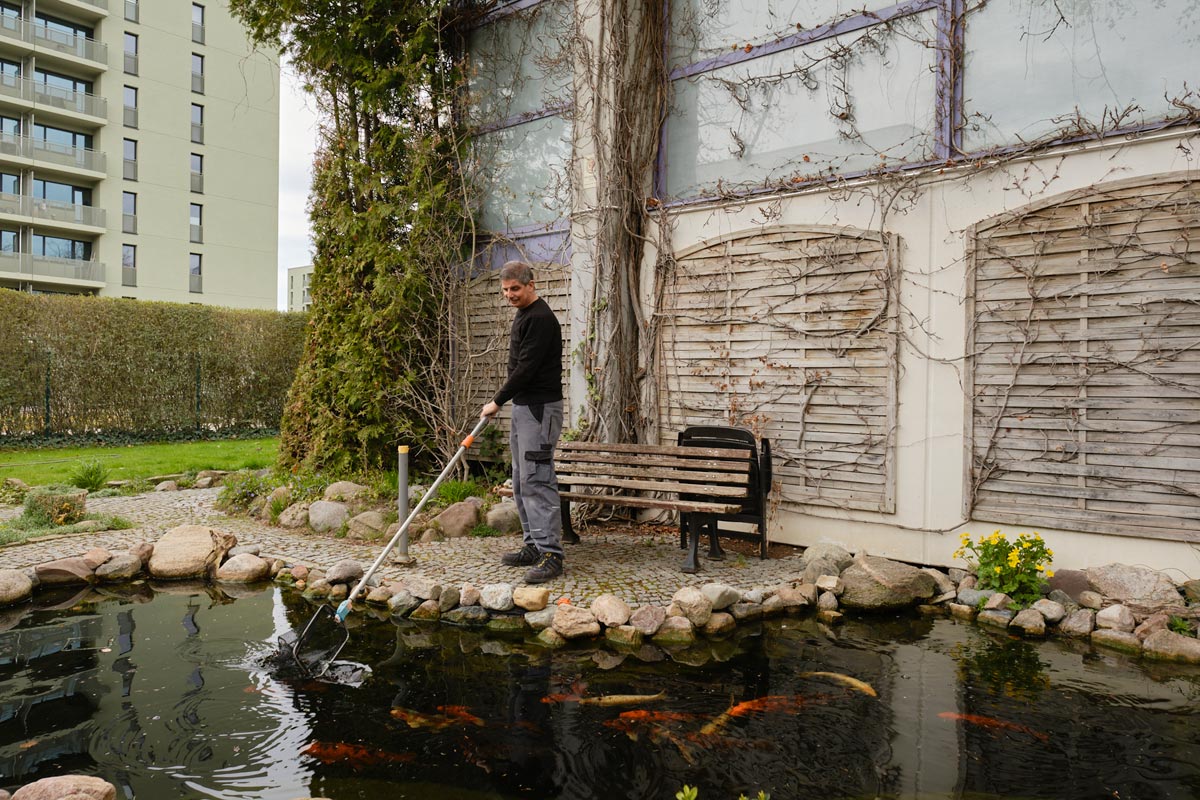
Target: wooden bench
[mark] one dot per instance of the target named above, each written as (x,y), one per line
(702,484)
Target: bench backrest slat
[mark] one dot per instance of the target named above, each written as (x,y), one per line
(740,465)
(705,477)
(656,449)
(682,487)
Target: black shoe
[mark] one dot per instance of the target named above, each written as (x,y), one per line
(570,537)
(522,558)
(549,567)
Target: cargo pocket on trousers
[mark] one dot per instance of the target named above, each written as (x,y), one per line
(542,462)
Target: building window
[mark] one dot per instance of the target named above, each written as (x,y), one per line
(197,123)
(197,73)
(10,183)
(61,247)
(128,212)
(61,140)
(197,173)
(197,23)
(131,53)
(195,279)
(130,155)
(61,192)
(128,265)
(131,107)
(10,241)
(131,10)
(195,223)
(10,126)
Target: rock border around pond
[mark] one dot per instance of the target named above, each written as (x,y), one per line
(1115,606)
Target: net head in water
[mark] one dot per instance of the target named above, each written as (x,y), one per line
(286,662)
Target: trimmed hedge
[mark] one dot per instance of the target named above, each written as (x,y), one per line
(146,368)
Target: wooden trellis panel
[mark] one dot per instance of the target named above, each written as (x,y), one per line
(790,332)
(1085,404)
(487,321)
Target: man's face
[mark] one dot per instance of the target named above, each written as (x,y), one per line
(517,294)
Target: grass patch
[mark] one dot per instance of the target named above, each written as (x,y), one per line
(24,529)
(454,491)
(485,531)
(39,467)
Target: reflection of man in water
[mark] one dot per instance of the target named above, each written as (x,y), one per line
(530,768)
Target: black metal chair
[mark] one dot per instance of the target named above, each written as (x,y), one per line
(754,512)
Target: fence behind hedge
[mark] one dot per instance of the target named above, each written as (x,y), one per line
(73,364)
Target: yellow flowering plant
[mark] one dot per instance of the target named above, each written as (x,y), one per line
(1017,568)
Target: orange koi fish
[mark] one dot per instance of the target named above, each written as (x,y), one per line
(845,680)
(356,755)
(452,715)
(657,717)
(994,724)
(561,698)
(788,703)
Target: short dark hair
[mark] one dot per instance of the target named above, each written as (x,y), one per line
(517,271)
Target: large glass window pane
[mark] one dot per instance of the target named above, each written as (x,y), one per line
(9,241)
(194,263)
(855,102)
(60,247)
(702,29)
(197,163)
(64,82)
(518,63)
(194,214)
(522,175)
(128,203)
(131,43)
(1046,69)
(61,30)
(197,14)
(129,150)
(197,64)
(197,114)
(129,256)
(10,125)
(10,183)
(131,97)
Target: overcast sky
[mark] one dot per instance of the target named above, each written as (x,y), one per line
(297,134)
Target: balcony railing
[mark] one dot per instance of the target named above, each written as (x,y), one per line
(196,283)
(62,42)
(131,11)
(198,182)
(129,169)
(197,33)
(196,234)
(198,132)
(41,150)
(128,276)
(129,223)
(10,261)
(53,96)
(198,82)
(131,64)
(11,204)
(65,212)
(131,117)
(76,269)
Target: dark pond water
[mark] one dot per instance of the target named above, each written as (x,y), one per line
(171,698)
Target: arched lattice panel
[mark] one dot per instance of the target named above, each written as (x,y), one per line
(790,332)
(487,318)
(1085,369)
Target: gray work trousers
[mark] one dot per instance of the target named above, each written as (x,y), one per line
(535,486)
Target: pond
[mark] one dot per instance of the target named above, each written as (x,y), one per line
(175,697)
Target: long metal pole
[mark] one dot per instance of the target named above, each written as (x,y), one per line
(402,501)
(344,609)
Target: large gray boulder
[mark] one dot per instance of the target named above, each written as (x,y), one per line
(611,610)
(294,516)
(573,622)
(15,587)
(1167,645)
(121,567)
(64,571)
(837,555)
(504,517)
(345,491)
(874,583)
(1140,585)
(695,606)
(189,551)
(368,525)
(345,571)
(327,515)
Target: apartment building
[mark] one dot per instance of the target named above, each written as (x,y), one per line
(299,288)
(139,152)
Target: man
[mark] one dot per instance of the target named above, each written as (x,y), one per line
(534,386)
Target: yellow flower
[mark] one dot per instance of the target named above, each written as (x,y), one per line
(1026,544)
(1049,552)
(1049,573)
(997,569)
(1041,568)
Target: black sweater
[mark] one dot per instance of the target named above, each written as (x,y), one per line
(534,358)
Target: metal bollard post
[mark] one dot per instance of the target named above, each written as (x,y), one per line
(402,556)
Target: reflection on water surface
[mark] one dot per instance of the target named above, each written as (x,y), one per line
(172,698)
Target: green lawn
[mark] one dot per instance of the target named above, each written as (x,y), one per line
(40,467)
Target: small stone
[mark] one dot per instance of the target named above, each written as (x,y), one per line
(96,556)
(573,622)
(244,568)
(1090,599)
(648,619)
(422,587)
(1030,622)
(541,619)
(504,517)
(676,631)
(809,592)
(624,636)
(943,581)
(973,597)
(720,595)
(944,598)
(166,486)
(996,617)
(531,598)
(428,610)
(1063,599)
(746,612)
(326,515)
(252,549)
(121,567)
(67,787)
(508,623)
(792,599)
(369,525)
(470,616)
(1191,591)
(300,572)
(448,599)
(344,490)
(380,595)
(294,516)
(64,571)
(961,611)
(719,624)
(1116,618)
(402,602)
(997,602)
(345,571)
(753,596)
(497,596)
(1152,624)
(694,605)
(1052,611)
(610,610)
(829,617)
(468,595)
(957,575)
(338,592)
(831,583)
(15,587)
(827,601)
(1124,641)
(1080,622)
(1165,645)
(551,638)
(773,606)
(969,582)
